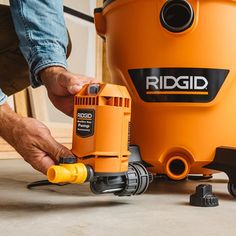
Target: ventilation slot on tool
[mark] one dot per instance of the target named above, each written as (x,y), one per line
(93,101)
(114,101)
(127,102)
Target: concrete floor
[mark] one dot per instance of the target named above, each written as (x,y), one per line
(74,210)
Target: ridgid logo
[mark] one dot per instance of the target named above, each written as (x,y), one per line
(178,84)
(85,122)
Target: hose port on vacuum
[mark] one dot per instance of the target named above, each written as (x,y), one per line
(177,15)
(177,168)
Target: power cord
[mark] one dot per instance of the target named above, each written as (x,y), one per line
(43,183)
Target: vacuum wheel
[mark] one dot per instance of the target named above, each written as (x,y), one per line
(232,189)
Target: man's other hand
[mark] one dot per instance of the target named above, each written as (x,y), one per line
(62,85)
(31,139)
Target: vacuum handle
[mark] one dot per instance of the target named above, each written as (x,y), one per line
(100,22)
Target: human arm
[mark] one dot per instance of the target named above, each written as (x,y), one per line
(41,29)
(62,86)
(31,139)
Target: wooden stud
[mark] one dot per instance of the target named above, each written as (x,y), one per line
(21,103)
(38,103)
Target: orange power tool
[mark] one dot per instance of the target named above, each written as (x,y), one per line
(101,147)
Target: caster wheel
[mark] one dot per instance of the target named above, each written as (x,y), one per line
(232,189)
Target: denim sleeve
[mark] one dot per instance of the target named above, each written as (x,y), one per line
(3,97)
(41,29)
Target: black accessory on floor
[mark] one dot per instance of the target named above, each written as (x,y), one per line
(203,197)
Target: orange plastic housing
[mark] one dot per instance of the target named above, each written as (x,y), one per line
(101,128)
(173,135)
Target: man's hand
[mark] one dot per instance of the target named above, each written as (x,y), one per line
(62,85)
(31,139)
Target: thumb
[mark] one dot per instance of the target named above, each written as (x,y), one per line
(56,150)
(74,89)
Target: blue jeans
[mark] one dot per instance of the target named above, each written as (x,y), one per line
(33,36)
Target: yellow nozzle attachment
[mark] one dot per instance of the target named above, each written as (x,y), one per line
(69,173)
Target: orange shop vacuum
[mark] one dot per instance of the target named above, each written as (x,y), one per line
(177,59)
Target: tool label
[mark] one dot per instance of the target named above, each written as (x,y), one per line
(85,122)
(178,84)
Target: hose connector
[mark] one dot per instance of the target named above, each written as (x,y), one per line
(77,173)
(177,15)
(177,168)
